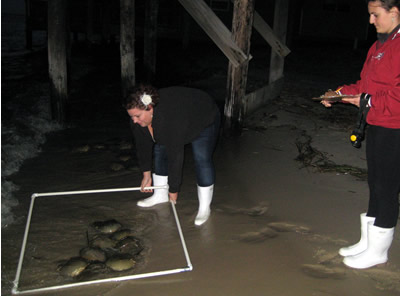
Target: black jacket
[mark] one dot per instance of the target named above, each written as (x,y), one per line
(178,119)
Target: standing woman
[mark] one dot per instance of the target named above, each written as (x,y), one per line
(164,122)
(380,82)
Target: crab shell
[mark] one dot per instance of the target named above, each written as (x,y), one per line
(121,262)
(108,226)
(73,267)
(93,254)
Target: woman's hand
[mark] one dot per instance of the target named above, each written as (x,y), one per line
(173,197)
(146,182)
(352,100)
(329,93)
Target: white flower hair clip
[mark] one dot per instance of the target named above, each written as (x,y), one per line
(146,99)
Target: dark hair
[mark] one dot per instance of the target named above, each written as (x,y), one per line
(133,100)
(387,4)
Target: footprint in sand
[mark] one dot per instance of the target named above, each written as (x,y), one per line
(324,272)
(327,258)
(258,236)
(117,167)
(82,149)
(287,227)
(125,146)
(326,239)
(384,279)
(125,158)
(254,211)
(99,146)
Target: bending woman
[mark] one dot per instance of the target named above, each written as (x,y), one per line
(164,121)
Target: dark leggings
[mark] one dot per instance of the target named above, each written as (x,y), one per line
(383,160)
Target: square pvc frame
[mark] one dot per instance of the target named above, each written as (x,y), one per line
(16,290)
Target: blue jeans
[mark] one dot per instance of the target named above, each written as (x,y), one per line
(202,147)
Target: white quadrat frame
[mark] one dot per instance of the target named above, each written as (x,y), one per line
(16,290)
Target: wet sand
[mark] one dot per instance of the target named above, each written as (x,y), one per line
(275,226)
(276,223)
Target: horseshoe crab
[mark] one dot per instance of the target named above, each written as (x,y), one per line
(92,271)
(121,262)
(129,245)
(73,267)
(93,254)
(108,226)
(103,242)
(121,234)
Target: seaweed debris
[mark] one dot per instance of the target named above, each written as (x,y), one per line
(311,157)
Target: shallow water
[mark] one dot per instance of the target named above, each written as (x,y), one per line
(25,117)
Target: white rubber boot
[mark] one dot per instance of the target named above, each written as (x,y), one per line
(361,246)
(205,195)
(159,195)
(379,242)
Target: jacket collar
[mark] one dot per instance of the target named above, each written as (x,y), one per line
(383,37)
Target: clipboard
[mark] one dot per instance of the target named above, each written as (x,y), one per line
(337,98)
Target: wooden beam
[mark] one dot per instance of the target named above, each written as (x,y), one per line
(268,34)
(215,29)
(237,76)
(127,45)
(57,55)
(280,28)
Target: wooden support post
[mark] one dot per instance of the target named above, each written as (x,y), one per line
(28,25)
(150,39)
(268,34)
(237,76)
(57,55)
(280,28)
(127,45)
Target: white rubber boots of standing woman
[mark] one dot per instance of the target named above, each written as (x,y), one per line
(373,247)
(204,194)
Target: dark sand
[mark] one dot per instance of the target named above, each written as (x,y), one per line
(276,223)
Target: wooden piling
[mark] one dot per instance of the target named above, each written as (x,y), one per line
(57,55)
(242,23)
(127,45)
